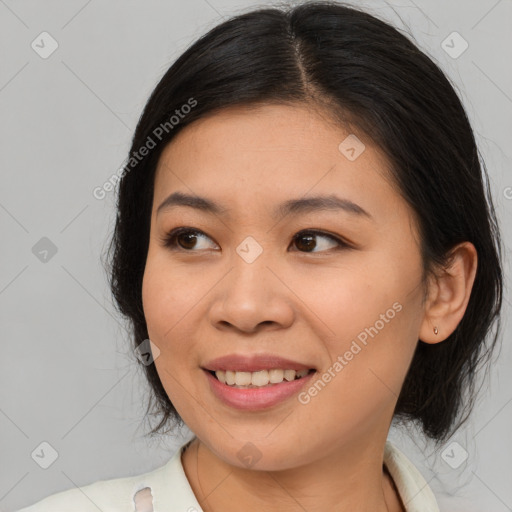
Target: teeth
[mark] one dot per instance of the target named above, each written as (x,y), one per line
(258,379)
(230,377)
(289,374)
(276,376)
(242,378)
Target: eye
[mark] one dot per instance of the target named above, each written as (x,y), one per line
(186,239)
(306,239)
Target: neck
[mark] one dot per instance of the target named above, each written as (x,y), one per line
(351,479)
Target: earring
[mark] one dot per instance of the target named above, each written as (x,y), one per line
(435,330)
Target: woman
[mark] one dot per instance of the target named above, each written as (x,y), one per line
(301,231)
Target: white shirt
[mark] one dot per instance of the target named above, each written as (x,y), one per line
(171,491)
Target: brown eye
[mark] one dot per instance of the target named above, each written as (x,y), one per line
(188,239)
(183,238)
(306,241)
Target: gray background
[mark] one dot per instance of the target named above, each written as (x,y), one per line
(68,377)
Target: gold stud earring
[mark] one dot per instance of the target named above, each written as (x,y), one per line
(435,330)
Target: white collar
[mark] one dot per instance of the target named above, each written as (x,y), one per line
(170,485)
(414,491)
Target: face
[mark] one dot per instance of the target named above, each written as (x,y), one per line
(331,289)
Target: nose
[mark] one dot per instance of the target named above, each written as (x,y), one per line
(252,296)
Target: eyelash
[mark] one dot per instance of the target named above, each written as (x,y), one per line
(170,239)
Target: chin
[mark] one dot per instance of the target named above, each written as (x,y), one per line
(259,455)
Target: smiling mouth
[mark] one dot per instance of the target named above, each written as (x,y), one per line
(259,379)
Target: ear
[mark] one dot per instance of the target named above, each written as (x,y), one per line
(449,293)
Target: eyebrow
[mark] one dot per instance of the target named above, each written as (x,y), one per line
(291,206)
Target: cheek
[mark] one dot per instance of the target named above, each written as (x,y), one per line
(166,303)
(344,299)
(155,301)
(168,294)
(370,315)
(368,365)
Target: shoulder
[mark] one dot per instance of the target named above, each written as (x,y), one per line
(412,487)
(114,495)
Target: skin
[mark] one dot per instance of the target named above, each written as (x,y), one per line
(304,304)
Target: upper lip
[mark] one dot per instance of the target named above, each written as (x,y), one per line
(253,363)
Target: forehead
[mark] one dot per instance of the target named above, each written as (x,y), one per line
(243,156)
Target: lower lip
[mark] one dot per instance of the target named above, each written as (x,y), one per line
(255,399)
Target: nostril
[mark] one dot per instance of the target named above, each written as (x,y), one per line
(143,500)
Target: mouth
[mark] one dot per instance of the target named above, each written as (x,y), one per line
(258,379)
(256,382)
(257,390)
